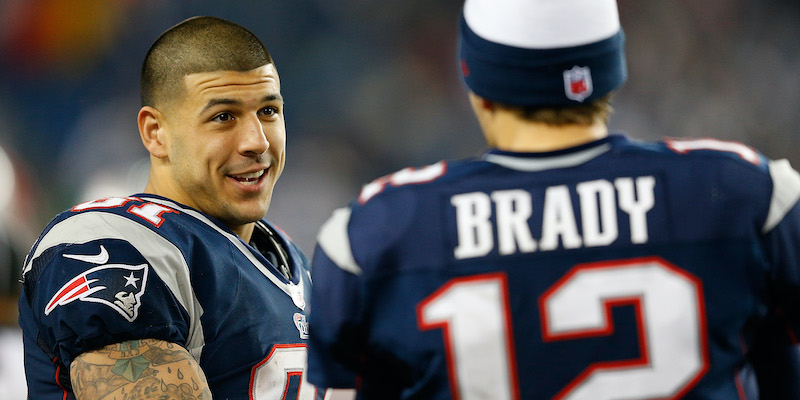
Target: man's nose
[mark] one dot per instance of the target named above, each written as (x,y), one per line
(254,139)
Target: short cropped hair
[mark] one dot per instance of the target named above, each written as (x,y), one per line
(198,44)
(583,114)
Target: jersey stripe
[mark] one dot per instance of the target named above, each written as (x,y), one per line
(541,164)
(785,192)
(334,240)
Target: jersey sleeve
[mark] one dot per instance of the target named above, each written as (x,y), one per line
(781,243)
(87,287)
(335,336)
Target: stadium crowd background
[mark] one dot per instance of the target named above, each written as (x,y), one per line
(370,87)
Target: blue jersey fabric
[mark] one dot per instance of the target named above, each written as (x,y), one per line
(615,269)
(142,267)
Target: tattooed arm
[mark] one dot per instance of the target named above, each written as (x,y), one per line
(138,369)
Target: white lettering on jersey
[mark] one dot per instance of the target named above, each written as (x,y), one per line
(637,206)
(474,229)
(559,220)
(598,197)
(514,208)
(507,214)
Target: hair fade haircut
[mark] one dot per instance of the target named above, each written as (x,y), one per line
(198,44)
(582,114)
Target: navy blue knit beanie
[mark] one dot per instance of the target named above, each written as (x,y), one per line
(542,52)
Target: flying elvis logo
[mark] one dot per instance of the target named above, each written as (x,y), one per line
(118,286)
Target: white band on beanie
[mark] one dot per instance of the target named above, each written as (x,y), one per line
(542,24)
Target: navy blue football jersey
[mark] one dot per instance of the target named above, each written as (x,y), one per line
(613,270)
(140,267)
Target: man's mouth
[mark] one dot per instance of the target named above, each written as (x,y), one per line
(250,178)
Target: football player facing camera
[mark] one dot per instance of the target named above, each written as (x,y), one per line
(185,290)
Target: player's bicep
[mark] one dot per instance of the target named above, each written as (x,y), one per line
(141,369)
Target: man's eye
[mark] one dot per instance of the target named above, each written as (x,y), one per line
(223,117)
(269,111)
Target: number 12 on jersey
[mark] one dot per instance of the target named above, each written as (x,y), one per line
(475,317)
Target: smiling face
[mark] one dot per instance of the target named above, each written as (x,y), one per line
(220,147)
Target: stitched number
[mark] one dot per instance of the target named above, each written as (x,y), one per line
(671,360)
(109,202)
(686,145)
(405,176)
(282,375)
(475,322)
(473,315)
(150,212)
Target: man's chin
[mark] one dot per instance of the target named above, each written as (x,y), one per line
(250,215)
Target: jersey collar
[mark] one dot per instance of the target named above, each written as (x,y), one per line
(543,161)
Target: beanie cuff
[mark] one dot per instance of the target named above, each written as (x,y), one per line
(541,77)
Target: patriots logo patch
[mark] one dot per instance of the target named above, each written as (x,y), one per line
(118,286)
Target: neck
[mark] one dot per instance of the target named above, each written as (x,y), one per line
(513,134)
(245,232)
(505,130)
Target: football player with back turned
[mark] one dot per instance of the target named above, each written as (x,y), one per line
(183,291)
(567,262)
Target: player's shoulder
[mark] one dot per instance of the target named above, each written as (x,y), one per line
(144,222)
(708,151)
(694,162)
(84,219)
(416,180)
(738,173)
(387,206)
(397,199)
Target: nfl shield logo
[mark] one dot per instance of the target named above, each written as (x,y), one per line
(578,83)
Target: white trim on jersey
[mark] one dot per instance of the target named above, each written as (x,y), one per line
(164,257)
(334,240)
(785,192)
(542,164)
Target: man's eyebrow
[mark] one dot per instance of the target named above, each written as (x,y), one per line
(216,102)
(272,97)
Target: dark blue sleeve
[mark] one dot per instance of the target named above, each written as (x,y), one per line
(89,295)
(775,360)
(775,355)
(335,335)
(782,247)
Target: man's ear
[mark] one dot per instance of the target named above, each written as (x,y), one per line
(152,126)
(487,104)
(481,104)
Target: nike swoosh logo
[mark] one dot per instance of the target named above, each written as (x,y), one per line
(101,258)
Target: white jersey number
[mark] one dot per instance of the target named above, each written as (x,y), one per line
(149,211)
(473,314)
(282,375)
(671,322)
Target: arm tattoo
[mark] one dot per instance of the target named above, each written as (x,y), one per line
(138,369)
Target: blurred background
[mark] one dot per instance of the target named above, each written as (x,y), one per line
(370,87)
